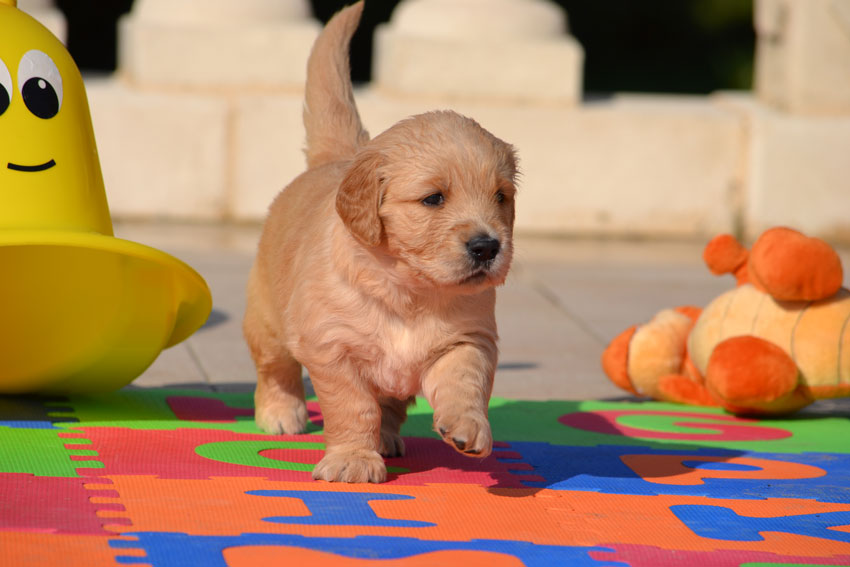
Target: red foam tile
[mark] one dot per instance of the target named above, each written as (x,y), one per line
(646,556)
(50,505)
(172,454)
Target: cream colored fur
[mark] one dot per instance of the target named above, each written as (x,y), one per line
(373,290)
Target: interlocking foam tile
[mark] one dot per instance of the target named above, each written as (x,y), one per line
(178,550)
(280,555)
(34,549)
(660,425)
(44,452)
(229,506)
(721,523)
(199,453)
(155,409)
(181,477)
(56,505)
(644,556)
(650,520)
(30,412)
(696,472)
(203,453)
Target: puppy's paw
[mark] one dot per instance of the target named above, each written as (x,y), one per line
(392,445)
(283,416)
(468,433)
(358,465)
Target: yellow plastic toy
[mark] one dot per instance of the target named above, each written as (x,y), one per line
(80,310)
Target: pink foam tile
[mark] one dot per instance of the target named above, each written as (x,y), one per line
(204,453)
(53,505)
(647,556)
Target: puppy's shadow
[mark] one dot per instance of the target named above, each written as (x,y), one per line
(536,447)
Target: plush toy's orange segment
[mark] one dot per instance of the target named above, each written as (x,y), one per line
(749,371)
(793,267)
(689,311)
(725,255)
(729,315)
(615,360)
(797,399)
(690,370)
(776,320)
(656,349)
(817,343)
(681,389)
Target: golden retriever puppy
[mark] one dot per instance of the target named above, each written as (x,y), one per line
(376,271)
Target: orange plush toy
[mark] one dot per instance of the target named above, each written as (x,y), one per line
(772,345)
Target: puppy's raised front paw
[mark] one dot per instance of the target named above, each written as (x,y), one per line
(358,465)
(469,433)
(283,416)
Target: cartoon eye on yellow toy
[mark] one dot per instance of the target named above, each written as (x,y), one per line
(80,310)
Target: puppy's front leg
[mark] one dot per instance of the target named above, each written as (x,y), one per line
(458,387)
(352,417)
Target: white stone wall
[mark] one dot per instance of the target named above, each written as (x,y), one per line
(203,119)
(50,17)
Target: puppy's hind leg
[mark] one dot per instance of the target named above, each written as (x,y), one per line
(279,406)
(393,415)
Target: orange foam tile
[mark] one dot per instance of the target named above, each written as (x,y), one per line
(612,519)
(277,555)
(31,549)
(220,506)
(670,469)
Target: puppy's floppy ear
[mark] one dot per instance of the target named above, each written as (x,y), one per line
(359,198)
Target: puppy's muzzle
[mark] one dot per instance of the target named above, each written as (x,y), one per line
(483,249)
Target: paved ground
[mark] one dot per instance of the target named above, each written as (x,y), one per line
(565,299)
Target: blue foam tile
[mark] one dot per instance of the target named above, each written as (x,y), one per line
(182,550)
(717,522)
(339,508)
(602,469)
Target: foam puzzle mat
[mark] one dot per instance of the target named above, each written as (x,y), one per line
(176,478)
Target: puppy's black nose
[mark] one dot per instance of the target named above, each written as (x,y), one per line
(483,248)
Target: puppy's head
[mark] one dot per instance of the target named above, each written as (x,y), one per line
(436,192)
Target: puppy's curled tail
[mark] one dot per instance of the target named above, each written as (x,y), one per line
(334,131)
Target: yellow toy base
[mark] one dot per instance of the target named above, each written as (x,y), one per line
(85,312)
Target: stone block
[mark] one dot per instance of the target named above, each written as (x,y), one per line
(544,71)
(476,49)
(268,143)
(799,172)
(163,155)
(803,55)
(48,15)
(204,55)
(190,12)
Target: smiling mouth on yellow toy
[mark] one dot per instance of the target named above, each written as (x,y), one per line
(31,168)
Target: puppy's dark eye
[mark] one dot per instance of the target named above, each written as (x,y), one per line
(434,200)
(500,197)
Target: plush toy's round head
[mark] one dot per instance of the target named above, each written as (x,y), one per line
(790,266)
